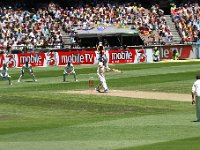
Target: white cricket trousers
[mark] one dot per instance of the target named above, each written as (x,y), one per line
(103,81)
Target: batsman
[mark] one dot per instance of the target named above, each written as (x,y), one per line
(101,74)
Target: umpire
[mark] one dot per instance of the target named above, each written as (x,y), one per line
(196,96)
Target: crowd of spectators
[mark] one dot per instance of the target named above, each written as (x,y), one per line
(23,29)
(187,20)
(122,15)
(155,20)
(42,28)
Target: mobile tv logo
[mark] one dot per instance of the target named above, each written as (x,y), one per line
(77,58)
(33,59)
(125,55)
(167,52)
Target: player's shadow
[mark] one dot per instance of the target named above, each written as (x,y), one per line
(196,121)
(29,81)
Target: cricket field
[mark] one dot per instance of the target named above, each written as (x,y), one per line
(54,115)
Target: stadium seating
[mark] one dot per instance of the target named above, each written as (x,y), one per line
(52,26)
(187,20)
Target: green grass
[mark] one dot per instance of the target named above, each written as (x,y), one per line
(183,144)
(36,116)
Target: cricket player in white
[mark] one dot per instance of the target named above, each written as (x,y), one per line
(196,96)
(4,73)
(107,68)
(100,72)
(68,70)
(27,67)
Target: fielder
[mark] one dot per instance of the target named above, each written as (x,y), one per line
(196,96)
(68,70)
(27,67)
(100,72)
(4,73)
